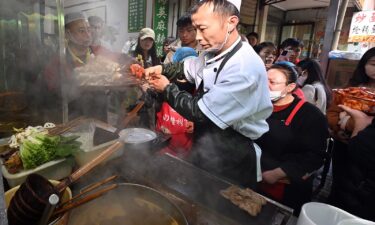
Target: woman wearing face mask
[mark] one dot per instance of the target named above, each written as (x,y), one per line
(294,146)
(313,84)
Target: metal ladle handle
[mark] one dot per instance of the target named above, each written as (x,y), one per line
(48,210)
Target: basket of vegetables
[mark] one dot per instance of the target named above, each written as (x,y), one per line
(34,150)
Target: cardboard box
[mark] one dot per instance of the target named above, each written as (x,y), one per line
(340,71)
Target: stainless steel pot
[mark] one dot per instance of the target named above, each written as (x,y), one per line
(129,204)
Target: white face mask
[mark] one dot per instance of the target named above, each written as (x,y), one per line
(221,46)
(276,95)
(301,79)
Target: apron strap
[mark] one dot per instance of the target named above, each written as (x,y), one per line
(227,57)
(294,112)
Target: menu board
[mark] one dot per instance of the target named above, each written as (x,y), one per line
(160,24)
(136,15)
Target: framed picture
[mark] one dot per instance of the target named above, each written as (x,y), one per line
(100,11)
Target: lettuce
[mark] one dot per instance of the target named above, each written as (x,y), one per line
(41,148)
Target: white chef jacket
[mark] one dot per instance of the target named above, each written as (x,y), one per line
(240,98)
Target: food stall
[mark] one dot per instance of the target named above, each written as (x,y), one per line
(31,34)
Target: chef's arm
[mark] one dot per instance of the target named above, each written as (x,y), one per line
(184,103)
(174,71)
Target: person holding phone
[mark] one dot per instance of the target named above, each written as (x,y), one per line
(290,50)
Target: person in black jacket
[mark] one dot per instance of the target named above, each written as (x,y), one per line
(294,146)
(357,194)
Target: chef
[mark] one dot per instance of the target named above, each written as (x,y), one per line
(232,100)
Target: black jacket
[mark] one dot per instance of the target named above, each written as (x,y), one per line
(357,194)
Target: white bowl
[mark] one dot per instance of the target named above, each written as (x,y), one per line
(357,221)
(315,213)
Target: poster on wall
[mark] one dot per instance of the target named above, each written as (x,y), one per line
(362,28)
(160,24)
(136,15)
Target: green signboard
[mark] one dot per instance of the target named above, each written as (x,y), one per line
(160,23)
(136,15)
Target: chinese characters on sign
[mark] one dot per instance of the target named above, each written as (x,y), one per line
(160,24)
(136,15)
(362,28)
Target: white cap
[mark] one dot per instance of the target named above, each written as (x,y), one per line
(147,33)
(236,3)
(71,17)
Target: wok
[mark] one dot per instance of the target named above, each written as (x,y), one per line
(129,204)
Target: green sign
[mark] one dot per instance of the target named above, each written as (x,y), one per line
(160,23)
(136,15)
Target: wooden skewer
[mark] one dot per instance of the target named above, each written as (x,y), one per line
(90,188)
(85,199)
(132,113)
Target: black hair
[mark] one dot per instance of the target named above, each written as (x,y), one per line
(152,52)
(258,48)
(184,20)
(222,7)
(253,34)
(315,75)
(359,76)
(289,72)
(168,40)
(293,42)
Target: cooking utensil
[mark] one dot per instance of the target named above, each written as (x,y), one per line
(84,200)
(50,207)
(129,204)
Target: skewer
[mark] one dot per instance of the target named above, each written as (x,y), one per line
(133,113)
(85,199)
(90,188)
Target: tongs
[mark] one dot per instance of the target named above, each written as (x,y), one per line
(83,197)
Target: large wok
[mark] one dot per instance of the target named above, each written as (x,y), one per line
(129,204)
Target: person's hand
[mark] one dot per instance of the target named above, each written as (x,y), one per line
(153,71)
(272,176)
(189,127)
(158,82)
(361,119)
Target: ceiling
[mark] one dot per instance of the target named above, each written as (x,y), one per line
(304,4)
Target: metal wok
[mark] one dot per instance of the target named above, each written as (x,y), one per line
(129,204)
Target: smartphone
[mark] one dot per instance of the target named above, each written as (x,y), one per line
(284,53)
(284,56)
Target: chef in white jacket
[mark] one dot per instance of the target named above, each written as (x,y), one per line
(232,100)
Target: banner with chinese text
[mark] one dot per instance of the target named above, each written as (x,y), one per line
(136,15)
(362,28)
(160,23)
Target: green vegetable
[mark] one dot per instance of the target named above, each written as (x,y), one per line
(40,148)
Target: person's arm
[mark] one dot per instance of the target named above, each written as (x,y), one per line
(361,119)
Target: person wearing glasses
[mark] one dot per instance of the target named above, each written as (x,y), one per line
(293,148)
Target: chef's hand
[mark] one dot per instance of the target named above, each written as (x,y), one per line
(272,176)
(158,82)
(153,71)
(361,119)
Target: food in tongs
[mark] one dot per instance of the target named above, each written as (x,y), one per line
(246,199)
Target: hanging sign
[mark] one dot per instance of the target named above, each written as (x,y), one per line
(137,15)
(362,28)
(160,24)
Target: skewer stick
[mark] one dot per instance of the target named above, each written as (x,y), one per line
(90,188)
(85,199)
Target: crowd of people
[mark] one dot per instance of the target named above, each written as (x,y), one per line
(253,113)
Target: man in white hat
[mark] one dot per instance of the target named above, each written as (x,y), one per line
(232,103)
